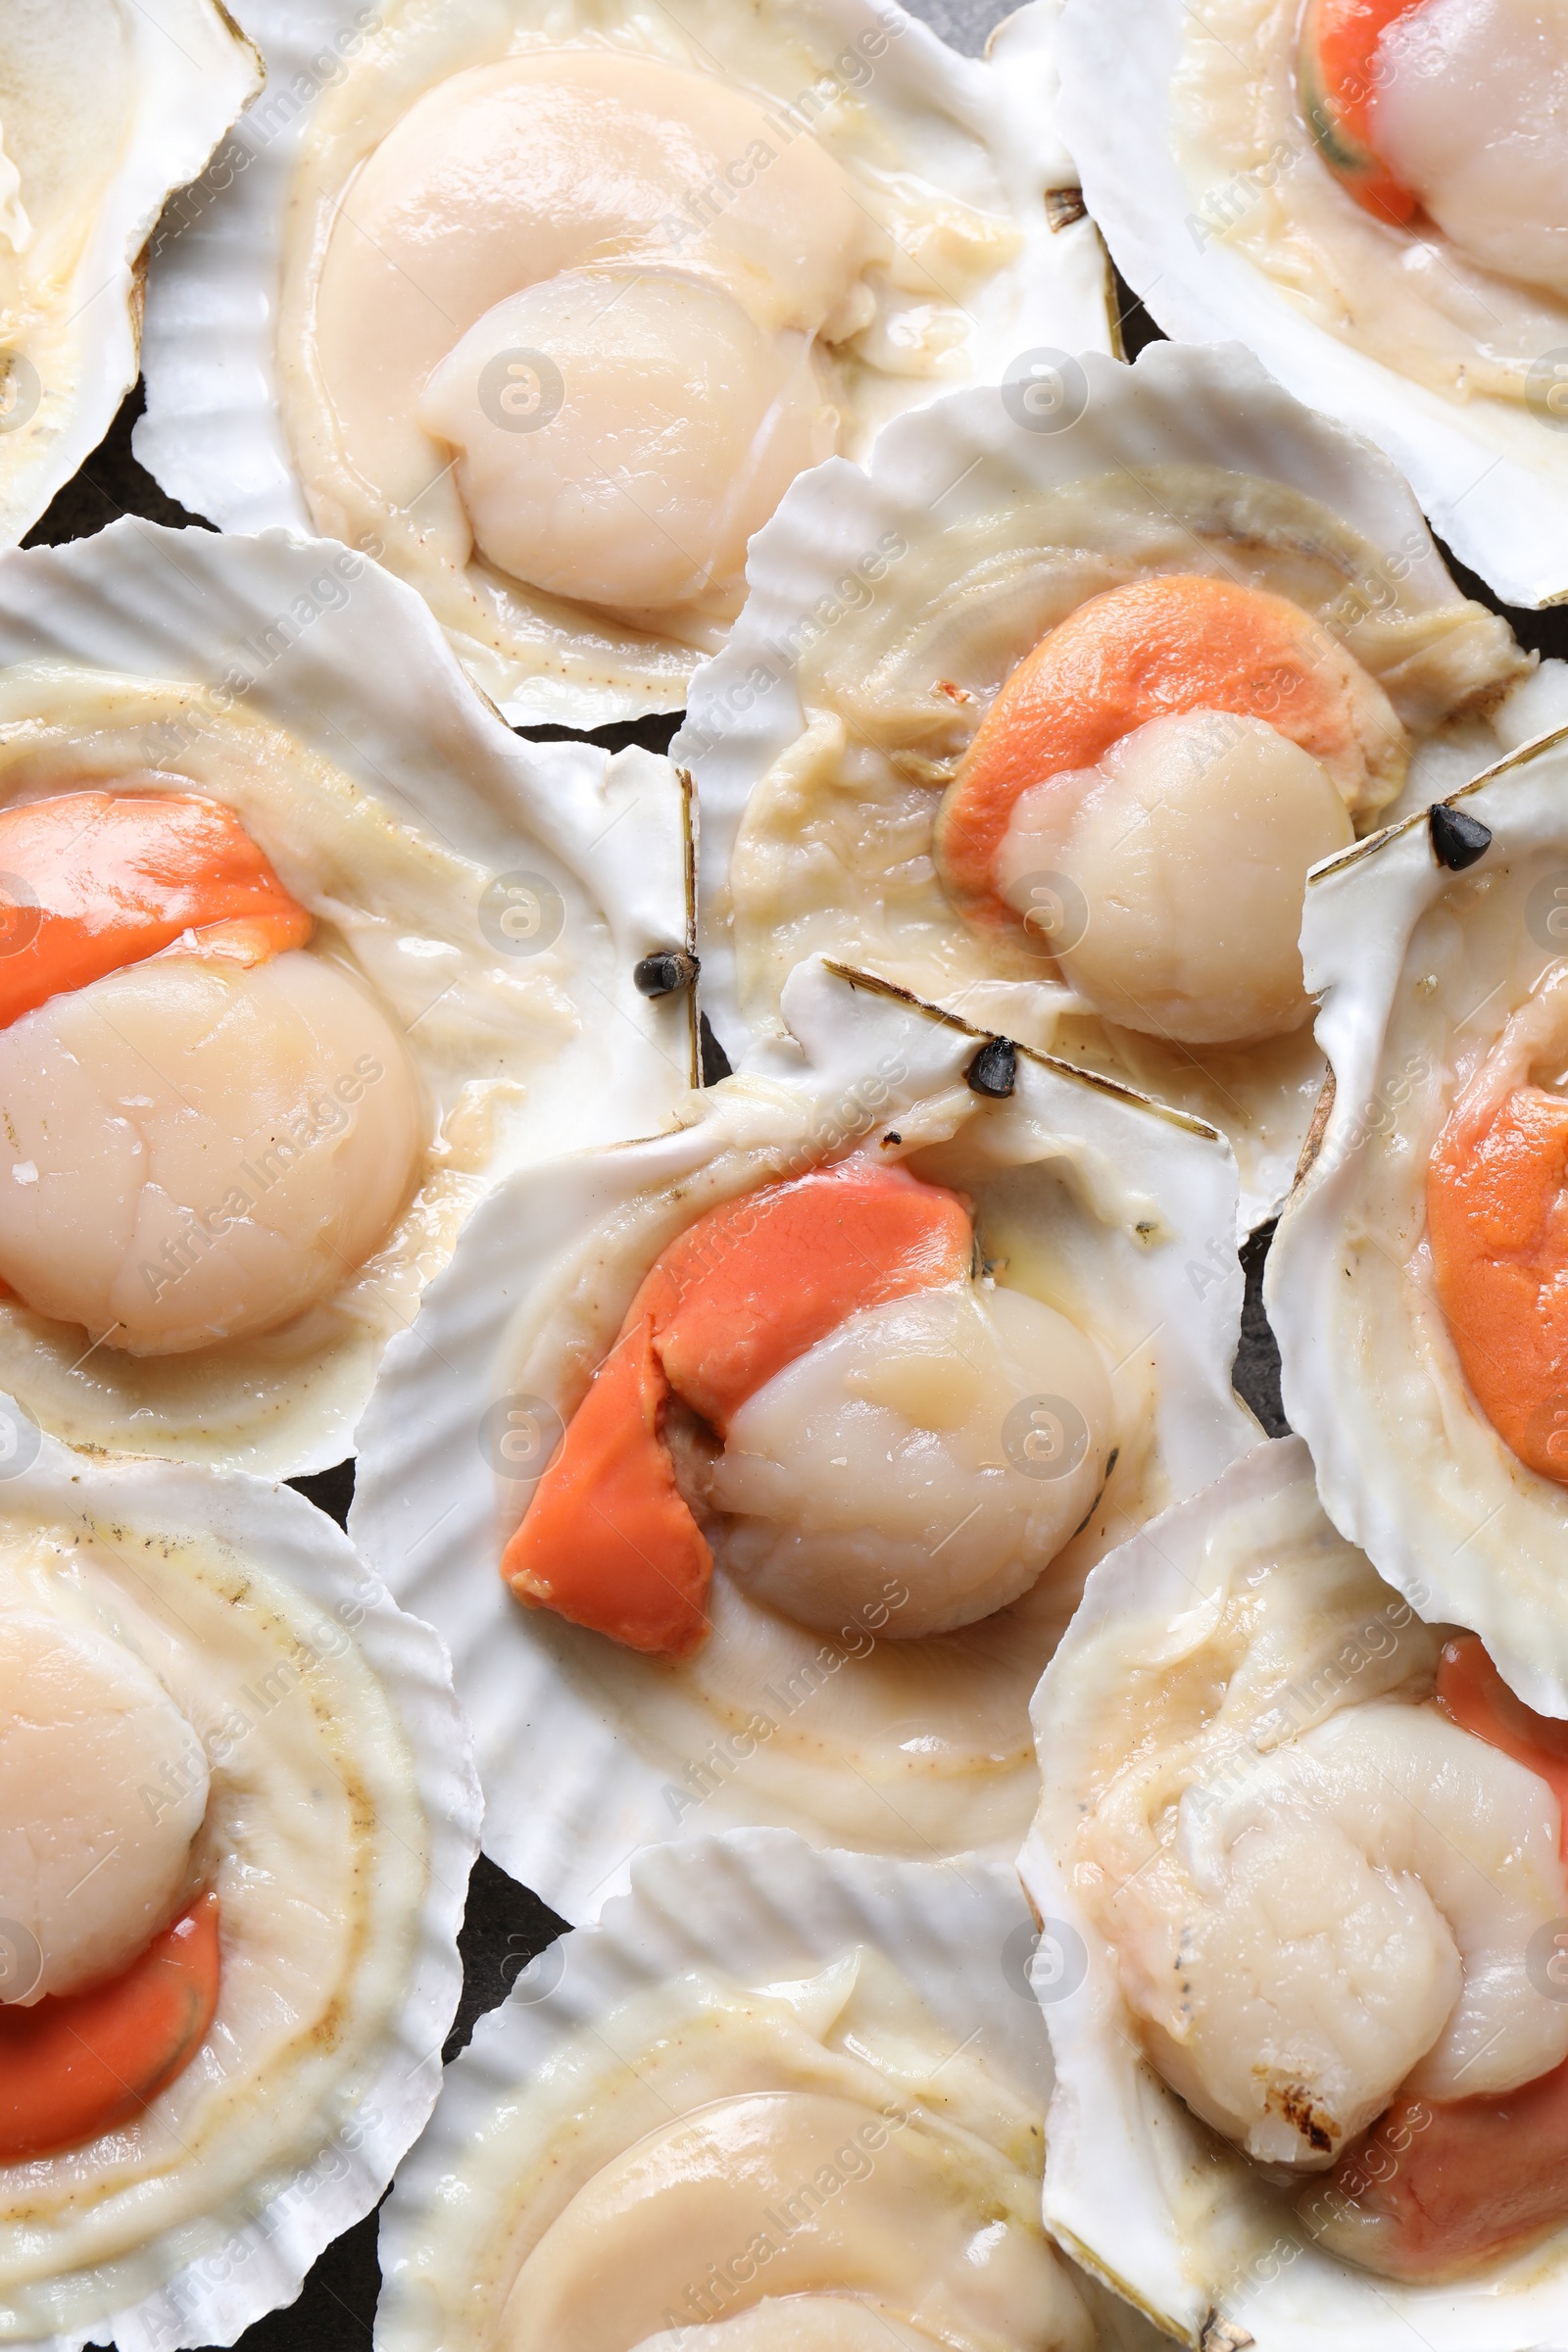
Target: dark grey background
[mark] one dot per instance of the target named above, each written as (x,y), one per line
(506,1924)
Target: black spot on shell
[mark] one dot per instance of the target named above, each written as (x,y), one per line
(993,1070)
(661,974)
(1457,840)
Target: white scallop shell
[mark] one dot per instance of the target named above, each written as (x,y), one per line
(758,1906)
(1134,2186)
(1407,1464)
(324,645)
(156,83)
(213,433)
(1494,486)
(206,2281)
(815,565)
(588,1753)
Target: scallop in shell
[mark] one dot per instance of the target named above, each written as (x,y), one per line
(105,108)
(553,301)
(239,1817)
(957,1339)
(772,2098)
(303,951)
(1047,715)
(1413,1280)
(1305,1853)
(1241,164)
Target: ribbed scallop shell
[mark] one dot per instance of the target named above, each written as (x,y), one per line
(1135,2185)
(588,1753)
(1212,424)
(1493,474)
(755,1906)
(1419,967)
(213,432)
(208,2279)
(305,637)
(145,89)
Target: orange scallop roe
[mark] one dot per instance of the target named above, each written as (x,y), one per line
(1336,67)
(607,1539)
(76,2065)
(1472,1694)
(93,881)
(1153,648)
(1497,1225)
(1454,2185)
